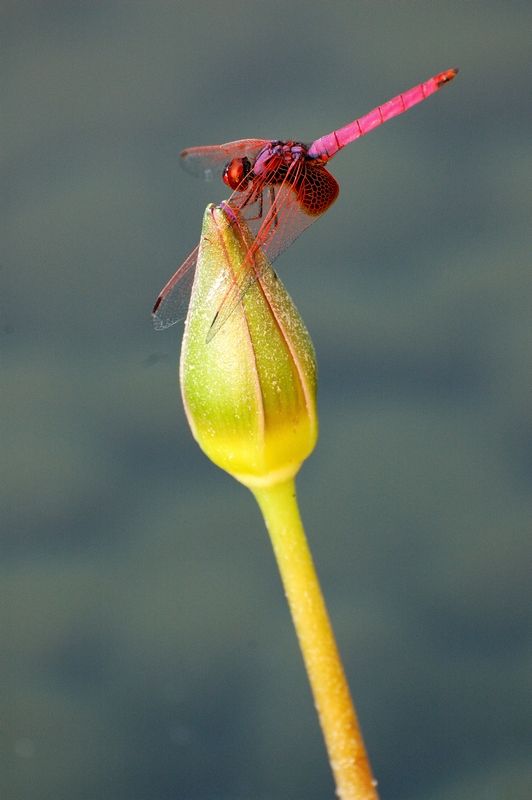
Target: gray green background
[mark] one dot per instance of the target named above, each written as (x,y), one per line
(146,652)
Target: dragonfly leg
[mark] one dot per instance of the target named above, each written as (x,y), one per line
(250,201)
(275,220)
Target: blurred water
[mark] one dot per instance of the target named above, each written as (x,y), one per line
(146,649)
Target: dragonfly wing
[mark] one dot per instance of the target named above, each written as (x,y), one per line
(206,162)
(287,212)
(282,232)
(240,276)
(172,303)
(284,217)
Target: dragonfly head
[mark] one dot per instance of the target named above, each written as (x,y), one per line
(236,173)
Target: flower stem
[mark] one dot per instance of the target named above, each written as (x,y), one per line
(343,739)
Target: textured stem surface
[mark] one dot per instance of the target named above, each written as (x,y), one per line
(343,739)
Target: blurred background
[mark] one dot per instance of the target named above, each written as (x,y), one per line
(146,649)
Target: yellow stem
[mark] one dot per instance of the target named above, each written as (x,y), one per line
(343,739)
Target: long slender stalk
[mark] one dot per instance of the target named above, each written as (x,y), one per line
(343,739)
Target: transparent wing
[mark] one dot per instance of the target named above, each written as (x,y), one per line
(287,210)
(172,303)
(276,215)
(206,162)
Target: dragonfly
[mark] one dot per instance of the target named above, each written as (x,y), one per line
(279,188)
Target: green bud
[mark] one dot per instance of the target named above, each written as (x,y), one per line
(249,390)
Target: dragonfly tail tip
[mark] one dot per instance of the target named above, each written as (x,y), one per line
(445,77)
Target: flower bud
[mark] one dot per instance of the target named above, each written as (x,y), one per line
(249,390)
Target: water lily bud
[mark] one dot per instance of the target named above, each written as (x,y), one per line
(249,390)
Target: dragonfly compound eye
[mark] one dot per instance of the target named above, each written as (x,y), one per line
(236,171)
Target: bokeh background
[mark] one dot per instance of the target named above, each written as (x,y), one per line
(146,650)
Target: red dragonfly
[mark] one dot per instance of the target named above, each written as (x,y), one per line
(279,188)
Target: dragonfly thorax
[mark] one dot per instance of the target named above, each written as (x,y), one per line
(271,164)
(277,155)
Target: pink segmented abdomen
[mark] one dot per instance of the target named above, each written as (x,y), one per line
(327,146)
